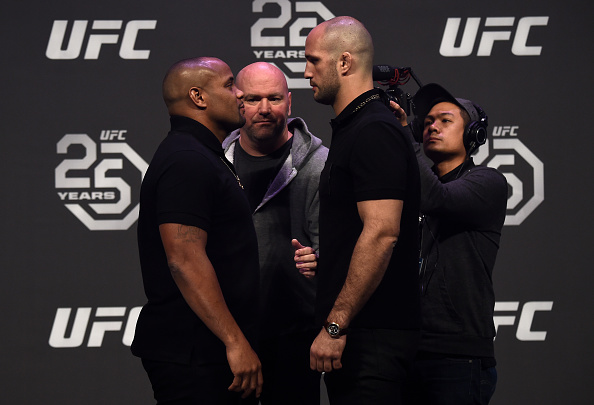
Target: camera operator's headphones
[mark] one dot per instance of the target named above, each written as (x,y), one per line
(475,133)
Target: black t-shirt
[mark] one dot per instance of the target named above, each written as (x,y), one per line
(258,172)
(190,182)
(369,159)
(286,297)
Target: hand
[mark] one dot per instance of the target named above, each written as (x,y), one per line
(246,369)
(399,113)
(306,259)
(326,352)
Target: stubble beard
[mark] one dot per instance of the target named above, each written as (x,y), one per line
(326,93)
(263,137)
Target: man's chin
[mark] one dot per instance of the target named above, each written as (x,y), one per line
(263,136)
(322,100)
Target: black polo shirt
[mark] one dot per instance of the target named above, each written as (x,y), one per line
(370,159)
(190,182)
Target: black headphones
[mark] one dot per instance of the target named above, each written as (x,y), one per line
(475,133)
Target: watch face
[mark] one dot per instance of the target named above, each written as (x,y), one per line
(333,329)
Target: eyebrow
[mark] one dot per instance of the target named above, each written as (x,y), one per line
(440,114)
(264,95)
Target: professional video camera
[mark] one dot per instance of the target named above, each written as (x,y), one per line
(393,77)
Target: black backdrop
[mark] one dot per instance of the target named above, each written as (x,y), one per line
(82,114)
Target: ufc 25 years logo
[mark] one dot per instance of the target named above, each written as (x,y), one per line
(494,29)
(102,32)
(94,182)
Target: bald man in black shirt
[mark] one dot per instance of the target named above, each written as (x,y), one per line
(368,296)
(198,249)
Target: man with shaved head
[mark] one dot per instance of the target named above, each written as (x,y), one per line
(198,249)
(368,294)
(279,162)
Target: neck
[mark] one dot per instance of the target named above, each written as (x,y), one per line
(220,135)
(444,167)
(219,132)
(263,147)
(350,89)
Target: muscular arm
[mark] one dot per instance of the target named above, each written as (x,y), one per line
(195,277)
(372,253)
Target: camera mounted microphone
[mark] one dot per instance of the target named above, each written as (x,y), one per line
(393,77)
(383,73)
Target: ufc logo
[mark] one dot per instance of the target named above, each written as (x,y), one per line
(68,333)
(524,322)
(96,39)
(495,31)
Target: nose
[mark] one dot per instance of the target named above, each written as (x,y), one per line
(430,128)
(307,73)
(264,106)
(238,93)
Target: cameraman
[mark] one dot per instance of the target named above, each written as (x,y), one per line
(463,209)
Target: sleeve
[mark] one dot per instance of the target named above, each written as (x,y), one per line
(186,189)
(469,198)
(316,164)
(379,163)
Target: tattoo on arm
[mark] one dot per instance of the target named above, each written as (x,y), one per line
(188,233)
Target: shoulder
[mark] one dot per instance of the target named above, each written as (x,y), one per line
(488,181)
(377,117)
(185,158)
(489,173)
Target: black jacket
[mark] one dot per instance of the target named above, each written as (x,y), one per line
(463,214)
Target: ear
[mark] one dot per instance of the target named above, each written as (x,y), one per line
(290,99)
(198,97)
(345,62)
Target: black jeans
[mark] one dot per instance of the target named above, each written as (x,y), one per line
(191,384)
(450,381)
(288,379)
(375,366)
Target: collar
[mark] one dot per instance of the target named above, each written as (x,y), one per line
(356,105)
(198,131)
(458,171)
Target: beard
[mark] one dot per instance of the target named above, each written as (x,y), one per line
(263,135)
(328,90)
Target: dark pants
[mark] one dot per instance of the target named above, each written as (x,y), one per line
(375,365)
(288,379)
(450,381)
(181,384)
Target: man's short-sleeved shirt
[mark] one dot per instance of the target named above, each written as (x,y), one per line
(369,159)
(190,182)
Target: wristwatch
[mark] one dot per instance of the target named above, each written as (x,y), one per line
(334,330)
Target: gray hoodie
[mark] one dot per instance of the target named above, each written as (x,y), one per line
(288,298)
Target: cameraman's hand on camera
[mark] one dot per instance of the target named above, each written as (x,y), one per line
(399,113)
